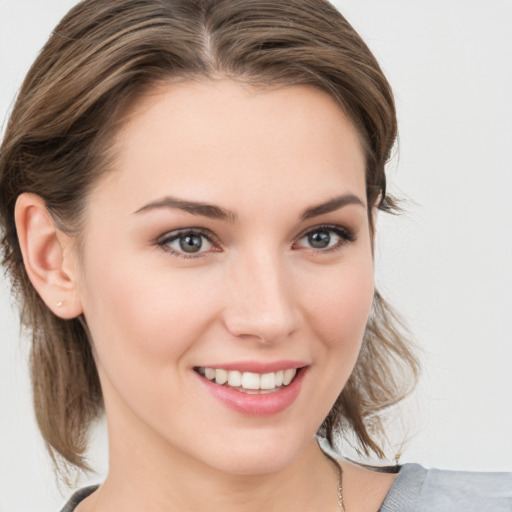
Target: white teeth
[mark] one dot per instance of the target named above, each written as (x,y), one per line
(288,376)
(209,373)
(234,379)
(249,380)
(268,381)
(221,376)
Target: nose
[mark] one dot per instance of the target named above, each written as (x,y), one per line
(262,304)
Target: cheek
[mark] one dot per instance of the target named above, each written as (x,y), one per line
(340,307)
(144,328)
(337,317)
(143,316)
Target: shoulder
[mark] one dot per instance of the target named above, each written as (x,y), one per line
(417,488)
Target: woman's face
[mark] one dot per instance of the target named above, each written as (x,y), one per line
(231,241)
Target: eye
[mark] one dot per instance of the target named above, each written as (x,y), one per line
(325,238)
(187,243)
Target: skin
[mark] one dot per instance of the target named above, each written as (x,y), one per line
(256,291)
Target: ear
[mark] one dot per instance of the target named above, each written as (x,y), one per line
(48,256)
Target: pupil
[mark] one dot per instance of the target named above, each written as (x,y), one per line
(191,243)
(319,239)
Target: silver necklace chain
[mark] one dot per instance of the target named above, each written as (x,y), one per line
(339,474)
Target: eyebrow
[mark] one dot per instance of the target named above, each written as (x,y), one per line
(193,207)
(216,212)
(331,206)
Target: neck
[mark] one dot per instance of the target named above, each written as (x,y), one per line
(151,477)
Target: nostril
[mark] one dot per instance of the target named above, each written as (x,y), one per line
(262,304)
(263,328)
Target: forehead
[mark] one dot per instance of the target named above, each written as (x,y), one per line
(199,137)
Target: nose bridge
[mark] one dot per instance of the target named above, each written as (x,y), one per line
(262,300)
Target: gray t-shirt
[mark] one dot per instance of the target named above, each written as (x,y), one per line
(417,489)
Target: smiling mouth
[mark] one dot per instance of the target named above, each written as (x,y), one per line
(249,382)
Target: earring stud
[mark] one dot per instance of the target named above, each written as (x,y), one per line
(59,304)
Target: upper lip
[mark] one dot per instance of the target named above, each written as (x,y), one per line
(256,366)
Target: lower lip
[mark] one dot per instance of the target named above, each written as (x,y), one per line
(264,404)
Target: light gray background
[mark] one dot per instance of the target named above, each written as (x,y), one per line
(446,264)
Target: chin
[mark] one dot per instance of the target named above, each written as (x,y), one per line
(257,451)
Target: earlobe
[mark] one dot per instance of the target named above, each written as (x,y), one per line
(47,256)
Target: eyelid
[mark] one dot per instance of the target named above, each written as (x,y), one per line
(170,236)
(346,235)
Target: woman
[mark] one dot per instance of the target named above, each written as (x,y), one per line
(189,193)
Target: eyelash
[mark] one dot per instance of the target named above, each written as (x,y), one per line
(165,240)
(345,236)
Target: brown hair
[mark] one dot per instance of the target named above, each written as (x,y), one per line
(100,58)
